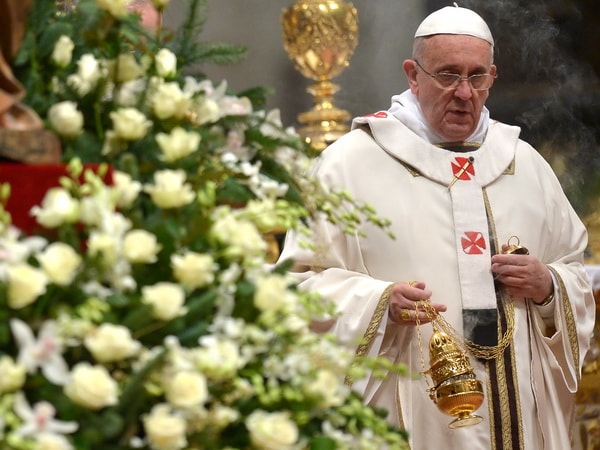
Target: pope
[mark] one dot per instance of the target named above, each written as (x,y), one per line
(459,188)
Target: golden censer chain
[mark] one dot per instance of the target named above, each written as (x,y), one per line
(451,380)
(479,351)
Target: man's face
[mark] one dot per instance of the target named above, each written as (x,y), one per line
(453,114)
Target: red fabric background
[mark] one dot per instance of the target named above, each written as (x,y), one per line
(29,183)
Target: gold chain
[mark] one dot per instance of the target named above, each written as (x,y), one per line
(479,351)
(424,370)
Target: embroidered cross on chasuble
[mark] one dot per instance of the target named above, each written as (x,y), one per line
(474,247)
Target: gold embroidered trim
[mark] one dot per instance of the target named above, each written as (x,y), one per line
(510,170)
(490,405)
(459,144)
(399,407)
(517,396)
(503,400)
(490,215)
(371,330)
(569,318)
(414,172)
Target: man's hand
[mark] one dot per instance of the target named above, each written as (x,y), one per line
(522,276)
(404,307)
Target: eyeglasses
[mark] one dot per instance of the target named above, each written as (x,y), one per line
(449,81)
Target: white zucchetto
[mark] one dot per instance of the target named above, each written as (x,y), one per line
(455,20)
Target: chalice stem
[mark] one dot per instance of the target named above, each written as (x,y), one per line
(320,37)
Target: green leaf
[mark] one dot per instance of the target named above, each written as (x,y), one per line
(321,443)
(133,395)
(190,336)
(138,317)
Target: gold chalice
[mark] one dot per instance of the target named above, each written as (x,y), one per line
(456,391)
(320,37)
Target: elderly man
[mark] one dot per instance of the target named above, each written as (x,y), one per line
(458,187)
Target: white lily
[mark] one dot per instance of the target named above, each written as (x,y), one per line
(44,353)
(39,419)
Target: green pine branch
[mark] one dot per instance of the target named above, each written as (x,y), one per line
(190,50)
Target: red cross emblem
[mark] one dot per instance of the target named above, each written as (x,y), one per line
(379,115)
(463,168)
(473,243)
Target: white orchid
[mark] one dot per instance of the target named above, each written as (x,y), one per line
(39,419)
(14,248)
(45,352)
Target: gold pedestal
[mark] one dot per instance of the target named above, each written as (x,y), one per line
(320,37)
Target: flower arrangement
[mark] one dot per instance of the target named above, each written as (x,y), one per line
(143,312)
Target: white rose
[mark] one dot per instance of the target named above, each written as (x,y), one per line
(89,71)
(222,416)
(104,245)
(167,300)
(130,124)
(219,360)
(115,223)
(58,208)
(170,189)
(177,144)
(130,92)
(112,143)
(94,208)
(186,389)
(13,375)
(140,246)
(166,63)
(272,294)
(272,431)
(92,387)
(170,101)
(205,111)
(193,270)
(165,430)
(89,68)
(25,285)
(126,188)
(241,236)
(66,119)
(327,388)
(63,51)
(127,68)
(117,8)
(52,441)
(110,343)
(60,262)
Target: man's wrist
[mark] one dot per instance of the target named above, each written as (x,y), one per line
(547,300)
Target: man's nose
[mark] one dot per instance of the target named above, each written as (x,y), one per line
(464,90)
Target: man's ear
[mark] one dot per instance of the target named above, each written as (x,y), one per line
(493,70)
(410,69)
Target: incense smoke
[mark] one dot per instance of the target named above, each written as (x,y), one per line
(547,85)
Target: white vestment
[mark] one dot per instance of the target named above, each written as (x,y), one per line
(512,191)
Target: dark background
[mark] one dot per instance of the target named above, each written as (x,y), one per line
(549,66)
